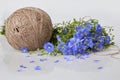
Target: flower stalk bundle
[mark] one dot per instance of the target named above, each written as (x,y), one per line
(79,37)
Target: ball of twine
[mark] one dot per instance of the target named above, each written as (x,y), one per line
(28,27)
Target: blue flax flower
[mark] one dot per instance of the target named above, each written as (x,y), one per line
(73,42)
(88,42)
(67,51)
(79,34)
(58,38)
(74,45)
(24,49)
(101,39)
(67,42)
(75,49)
(82,51)
(64,31)
(88,26)
(80,48)
(61,46)
(98,28)
(95,36)
(90,35)
(86,32)
(49,47)
(107,39)
(78,28)
(98,46)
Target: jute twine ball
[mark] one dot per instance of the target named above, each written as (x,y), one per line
(28,27)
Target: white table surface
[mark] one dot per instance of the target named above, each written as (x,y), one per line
(106,11)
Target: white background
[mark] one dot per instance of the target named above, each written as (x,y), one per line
(106,11)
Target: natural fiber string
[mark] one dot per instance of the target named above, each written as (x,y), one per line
(112,55)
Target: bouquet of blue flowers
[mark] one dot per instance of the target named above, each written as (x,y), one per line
(79,37)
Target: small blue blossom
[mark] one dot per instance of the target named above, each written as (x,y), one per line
(78,28)
(98,28)
(80,49)
(73,45)
(95,36)
(75,35)
(98,47)
(64,31)
(58,38)
(88,42)
(90,35)
(49,47)
(88,26)
(79,34)
(24,49)
(67,42)
(67,51)
(37,68)
(73,42)
(75,50)
(61,46)
(101,39)
(86,32)
(107,39)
